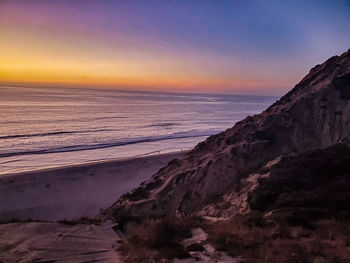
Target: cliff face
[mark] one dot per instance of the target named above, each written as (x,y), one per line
(314,114)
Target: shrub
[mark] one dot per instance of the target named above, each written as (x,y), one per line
(154,240)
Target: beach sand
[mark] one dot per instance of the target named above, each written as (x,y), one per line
(67,193)
(75,191)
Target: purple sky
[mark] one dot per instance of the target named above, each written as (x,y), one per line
(259,47)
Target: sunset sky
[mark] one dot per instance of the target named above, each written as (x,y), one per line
(243,47)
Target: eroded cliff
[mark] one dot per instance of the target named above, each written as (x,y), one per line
(314,114)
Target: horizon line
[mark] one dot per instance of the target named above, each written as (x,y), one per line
(141,89)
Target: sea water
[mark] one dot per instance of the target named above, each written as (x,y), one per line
(51,127)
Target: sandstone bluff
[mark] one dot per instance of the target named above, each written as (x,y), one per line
(315,114)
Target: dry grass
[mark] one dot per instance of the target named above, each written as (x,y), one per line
(282,243)
(249,238)
(156,240)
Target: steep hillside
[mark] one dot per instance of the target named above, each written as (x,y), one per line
(314,114)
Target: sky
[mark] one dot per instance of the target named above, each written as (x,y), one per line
(236,47)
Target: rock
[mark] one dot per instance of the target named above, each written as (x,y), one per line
(314,114)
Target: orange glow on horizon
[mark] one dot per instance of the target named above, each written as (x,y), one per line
(217,46)
(32,56)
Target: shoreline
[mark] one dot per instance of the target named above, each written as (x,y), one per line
(91,163)
(74,191)
(35,162)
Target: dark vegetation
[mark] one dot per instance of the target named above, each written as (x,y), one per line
(307,187)
(342,84)
(252,239)
(157,240)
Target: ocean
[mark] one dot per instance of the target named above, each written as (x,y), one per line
(53,127)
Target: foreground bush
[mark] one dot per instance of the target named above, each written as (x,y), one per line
(156,240)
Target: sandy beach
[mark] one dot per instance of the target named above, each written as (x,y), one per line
(75,191)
